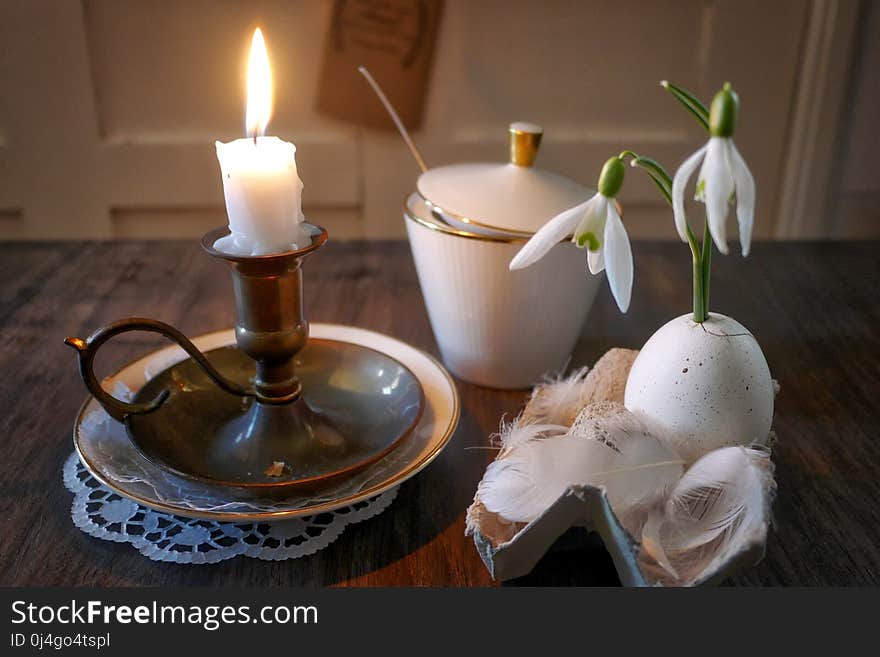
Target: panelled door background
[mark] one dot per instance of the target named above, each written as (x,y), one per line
(109,109)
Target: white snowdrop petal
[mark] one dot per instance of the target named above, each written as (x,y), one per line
(618,259)
(745,198)
(596,261)
(598,214)
(685,171)
(718,189)
(549,236)
(593,221)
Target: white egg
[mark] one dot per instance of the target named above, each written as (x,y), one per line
(707,384)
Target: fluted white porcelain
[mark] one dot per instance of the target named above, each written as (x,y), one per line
(495,327)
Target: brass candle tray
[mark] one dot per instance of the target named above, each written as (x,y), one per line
(108,453)
(275,411)
(358,406)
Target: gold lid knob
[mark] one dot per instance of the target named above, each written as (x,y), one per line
(525,138)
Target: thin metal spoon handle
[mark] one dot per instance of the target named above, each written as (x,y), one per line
(118,409)
(401,128)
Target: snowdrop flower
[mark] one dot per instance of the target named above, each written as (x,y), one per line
(595,224)
(723,177)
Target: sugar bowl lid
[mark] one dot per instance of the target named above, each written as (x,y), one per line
(514,198)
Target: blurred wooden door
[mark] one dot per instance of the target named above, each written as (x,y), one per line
(110,108)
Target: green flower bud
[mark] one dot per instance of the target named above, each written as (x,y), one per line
(722,113)
(611,178)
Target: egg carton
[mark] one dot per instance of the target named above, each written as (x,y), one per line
(588,507)
(511,550)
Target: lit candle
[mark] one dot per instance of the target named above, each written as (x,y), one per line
(261,186)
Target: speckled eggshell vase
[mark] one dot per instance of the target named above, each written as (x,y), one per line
(708,384)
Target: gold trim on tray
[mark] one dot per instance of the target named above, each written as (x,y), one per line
(413,469)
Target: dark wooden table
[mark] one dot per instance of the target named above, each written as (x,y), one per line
(813,307)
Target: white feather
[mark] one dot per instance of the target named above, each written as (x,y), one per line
(558,400)
(616,451)
(720,502)
(516,433)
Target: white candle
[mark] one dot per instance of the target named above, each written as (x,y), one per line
(261,185)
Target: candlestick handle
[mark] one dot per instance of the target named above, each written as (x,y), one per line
(118,409)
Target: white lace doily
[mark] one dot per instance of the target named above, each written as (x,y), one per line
(101,513)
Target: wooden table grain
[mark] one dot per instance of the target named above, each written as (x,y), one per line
(814,308)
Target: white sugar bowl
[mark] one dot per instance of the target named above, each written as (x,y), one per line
(496,327)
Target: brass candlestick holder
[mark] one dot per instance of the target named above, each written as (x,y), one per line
(278,410)
(270,326)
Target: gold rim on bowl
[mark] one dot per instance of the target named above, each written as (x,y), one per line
(515,235)
(449,230)
(502,232)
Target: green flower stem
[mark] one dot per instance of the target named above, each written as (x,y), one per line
(717,120)
(706,266)
(656,171)
(701,253)
(699,298)
(701,291)
(720,121)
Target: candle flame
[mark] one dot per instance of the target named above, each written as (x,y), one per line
(259,87)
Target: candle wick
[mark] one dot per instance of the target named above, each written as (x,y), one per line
(255,137)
